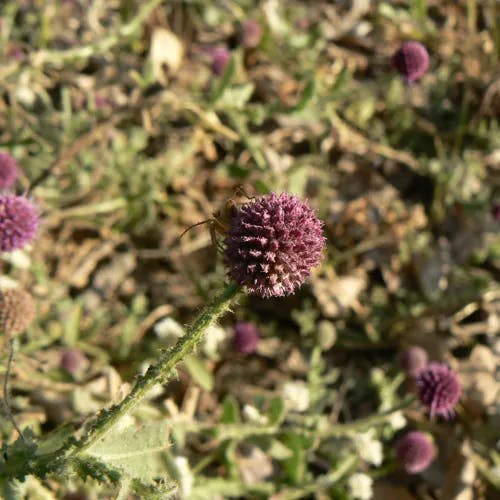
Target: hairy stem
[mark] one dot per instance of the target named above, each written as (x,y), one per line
(158,373)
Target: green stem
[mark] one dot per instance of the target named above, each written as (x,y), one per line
(244,431)
(106,419)
(158,373)
(321,483)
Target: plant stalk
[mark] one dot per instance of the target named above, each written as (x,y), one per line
(108,418)
(159,372)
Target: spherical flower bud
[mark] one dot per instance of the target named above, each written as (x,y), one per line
(411,60)
(251,33)
(17,311)
(220,59)
(413,360)
(415,451)
(8,171)
(18,222)
(73,361)
(438,389)
(246,337)
(272,244)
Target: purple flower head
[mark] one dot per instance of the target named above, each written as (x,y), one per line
(251,33)
(18,222)
(411,60)
(8,171)
(495,211)
(413,360)
(220,59)
(246,337)
(272,244)
(73,361)
(439,389)
(415,451)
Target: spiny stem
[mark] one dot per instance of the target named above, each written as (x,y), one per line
(158,373)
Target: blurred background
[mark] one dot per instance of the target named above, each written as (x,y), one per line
(133,120)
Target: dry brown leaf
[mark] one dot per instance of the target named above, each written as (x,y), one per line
(254,465)
(337,295)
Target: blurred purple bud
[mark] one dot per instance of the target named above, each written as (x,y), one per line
(73,361)
(413,360)
(495,211)
(220,59)
(415,451)
(8,171)
(411,60)
(251,33)
(246,337)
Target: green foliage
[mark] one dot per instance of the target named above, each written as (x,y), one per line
(122,154)
(127,453)
(198,370)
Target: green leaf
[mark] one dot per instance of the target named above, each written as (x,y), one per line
(297,179)
(88,467)
(276,411)
(295,466)
(224,80)
(305,98)
(12,490)
(341,81)
(19,455)
(71,325)
(261,187)
(237,96)
(230,411)
(134,450)
(198,370)
(279,451)
(54,440)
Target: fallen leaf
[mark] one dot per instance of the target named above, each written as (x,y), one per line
(166,54)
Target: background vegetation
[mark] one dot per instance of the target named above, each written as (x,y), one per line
(126,138)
